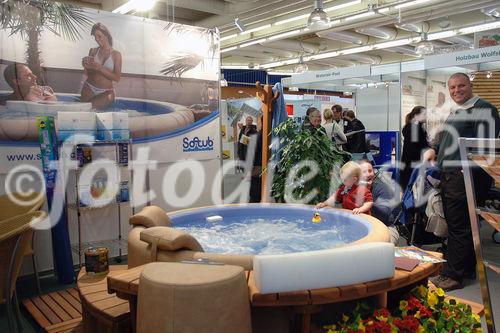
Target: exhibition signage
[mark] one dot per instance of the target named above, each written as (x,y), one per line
(475,56)
(332,74)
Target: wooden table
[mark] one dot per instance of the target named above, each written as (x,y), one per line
(305,303)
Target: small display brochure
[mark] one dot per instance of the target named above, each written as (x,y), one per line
(413,252)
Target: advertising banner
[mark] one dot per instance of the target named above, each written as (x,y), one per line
(163,75)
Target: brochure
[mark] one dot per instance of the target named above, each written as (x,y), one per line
(413,252)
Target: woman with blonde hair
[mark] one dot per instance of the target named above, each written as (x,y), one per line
(103,67)
(333,129)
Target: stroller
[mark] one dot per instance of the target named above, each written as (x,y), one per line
(414,223)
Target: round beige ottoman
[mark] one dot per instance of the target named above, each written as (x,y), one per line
(179,297)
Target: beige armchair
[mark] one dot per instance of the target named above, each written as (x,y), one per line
(24,204)
(15,236)
(152,239)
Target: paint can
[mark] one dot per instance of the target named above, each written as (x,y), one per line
(96,261)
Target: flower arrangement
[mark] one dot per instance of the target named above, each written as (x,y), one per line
(422,311)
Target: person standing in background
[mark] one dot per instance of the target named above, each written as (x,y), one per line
(244,137)
(414,142)
(355,133)
(333,129)
(475,118)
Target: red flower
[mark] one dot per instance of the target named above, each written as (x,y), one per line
(413,303)
(407,324)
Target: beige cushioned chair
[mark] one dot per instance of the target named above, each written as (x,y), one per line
(153,239)
(182,298)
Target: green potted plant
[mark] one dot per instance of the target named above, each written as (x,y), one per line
(306,164)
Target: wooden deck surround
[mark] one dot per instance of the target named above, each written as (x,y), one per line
(305,303)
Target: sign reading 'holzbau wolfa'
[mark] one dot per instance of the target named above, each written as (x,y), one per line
(486,54)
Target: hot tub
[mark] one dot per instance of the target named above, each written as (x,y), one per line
(290,251)
(275,228)
(147,118)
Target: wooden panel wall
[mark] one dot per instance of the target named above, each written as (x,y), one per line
(489,89)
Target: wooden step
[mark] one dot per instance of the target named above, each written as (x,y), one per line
(56,312)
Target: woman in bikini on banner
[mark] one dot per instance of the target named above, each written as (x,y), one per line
(103,67)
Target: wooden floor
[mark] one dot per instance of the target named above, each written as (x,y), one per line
(57,312)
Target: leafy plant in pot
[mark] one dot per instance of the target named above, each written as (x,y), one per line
(307,164)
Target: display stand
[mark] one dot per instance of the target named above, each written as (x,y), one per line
(123,153)
(482,152)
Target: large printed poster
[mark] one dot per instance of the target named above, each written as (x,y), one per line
(55,57)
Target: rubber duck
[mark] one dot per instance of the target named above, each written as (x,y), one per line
(316,218)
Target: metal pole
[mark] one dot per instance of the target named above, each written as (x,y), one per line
(465,143)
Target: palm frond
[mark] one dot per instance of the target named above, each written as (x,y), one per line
(179,64)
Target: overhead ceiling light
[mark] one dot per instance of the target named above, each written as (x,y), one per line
(291,19)
(413,27)
(358,16)
(229,49)
(135,5)
(411,3)
(492,11)
(489,75)
(239,24)
(318,18)
(480,27)
(424,47)
(344,5)
(392,43)
(228,37)
(253,42)
(262,27)
(441,35)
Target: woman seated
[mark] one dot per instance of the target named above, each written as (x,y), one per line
(102,66)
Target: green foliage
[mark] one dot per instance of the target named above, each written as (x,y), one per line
(304,150)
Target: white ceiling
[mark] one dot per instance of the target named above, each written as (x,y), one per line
(346,32)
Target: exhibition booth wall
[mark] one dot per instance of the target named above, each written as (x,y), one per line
(169,87)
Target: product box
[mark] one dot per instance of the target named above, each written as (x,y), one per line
(112,126)
(47,140)
(72,125)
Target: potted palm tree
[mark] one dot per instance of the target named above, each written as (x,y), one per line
(31,17)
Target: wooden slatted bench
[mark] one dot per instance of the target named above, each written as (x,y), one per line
(101,311)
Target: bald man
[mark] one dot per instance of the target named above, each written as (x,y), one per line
(475,118)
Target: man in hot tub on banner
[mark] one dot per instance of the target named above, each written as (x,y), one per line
(24,85)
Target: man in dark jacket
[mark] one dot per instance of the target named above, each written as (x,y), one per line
(475,118)
(355,133)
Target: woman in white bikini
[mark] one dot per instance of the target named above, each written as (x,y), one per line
(103,66)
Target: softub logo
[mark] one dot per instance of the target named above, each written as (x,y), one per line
(197,144)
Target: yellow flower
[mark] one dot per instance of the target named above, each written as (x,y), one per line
(332,329)
(422,291)
(345,318)
(432,299)
(478,330)
(361,326)
(476,318)
(440,292)
(417,315)
(420,329)
(403,305)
